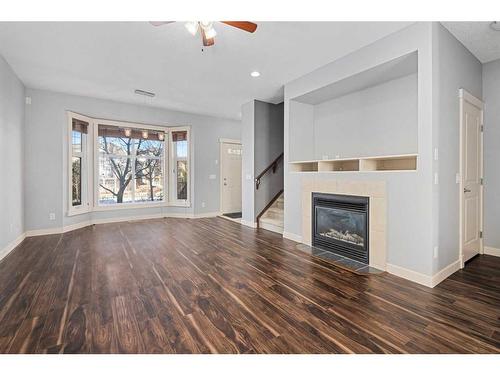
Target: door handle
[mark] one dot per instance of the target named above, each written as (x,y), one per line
(467,190)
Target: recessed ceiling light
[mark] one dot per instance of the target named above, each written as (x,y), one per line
(255,74)
(495,25)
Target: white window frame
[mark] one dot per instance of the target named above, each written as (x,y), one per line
(118,206)
(86,180)
(173,168)
(91,172)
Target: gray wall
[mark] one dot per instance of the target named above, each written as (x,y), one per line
(410,211)
(11,155)
(267,147)
(262,141)
(454,68)
(380,120)
(248,162)
(46,147)
(491,97)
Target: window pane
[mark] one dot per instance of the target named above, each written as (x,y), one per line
(149,147)
(181,149)
(77,181)
(115,175)
(148,180)
(112,141)
(181,179)
(76,141)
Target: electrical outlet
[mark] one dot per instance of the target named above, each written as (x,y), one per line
(28,100)
(436,251)
(457,178)
(436,154)
(52,216)
(325,157)
(203,204)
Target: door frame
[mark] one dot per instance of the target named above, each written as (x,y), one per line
(221,142)
(465,96)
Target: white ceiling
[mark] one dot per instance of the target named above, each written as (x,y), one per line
(111,59)
(478,37)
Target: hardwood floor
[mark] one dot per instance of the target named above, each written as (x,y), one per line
(213,286)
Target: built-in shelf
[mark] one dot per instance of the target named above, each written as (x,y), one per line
(362,164)
(304,166)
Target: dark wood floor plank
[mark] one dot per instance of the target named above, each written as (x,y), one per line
(214,286)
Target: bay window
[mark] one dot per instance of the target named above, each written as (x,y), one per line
(133,165)
(79,127)
(180,166)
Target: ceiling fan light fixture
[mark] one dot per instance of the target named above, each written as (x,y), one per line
(192,27)
(210,33)
(206,25)
(495,25)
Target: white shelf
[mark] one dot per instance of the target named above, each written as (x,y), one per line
(394,163)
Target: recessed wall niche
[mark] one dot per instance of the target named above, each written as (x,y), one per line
(366,115)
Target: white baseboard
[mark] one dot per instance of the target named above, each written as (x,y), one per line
(86,223)
(292,236)
(11,246)
(407,274)
(422,279)
(445,272)
(249,223)
(492,251)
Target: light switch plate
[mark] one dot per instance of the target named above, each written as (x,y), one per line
(212,177)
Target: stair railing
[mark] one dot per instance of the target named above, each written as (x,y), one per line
(273,166)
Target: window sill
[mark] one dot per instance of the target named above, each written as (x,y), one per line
(126,206)
(78,211)
(129,206)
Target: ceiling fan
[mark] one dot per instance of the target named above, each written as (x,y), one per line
(207,29)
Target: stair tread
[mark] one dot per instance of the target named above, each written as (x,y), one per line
(274,216)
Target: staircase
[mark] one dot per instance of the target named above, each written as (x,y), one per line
(272,218)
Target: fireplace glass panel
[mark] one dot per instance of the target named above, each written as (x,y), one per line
(341,225)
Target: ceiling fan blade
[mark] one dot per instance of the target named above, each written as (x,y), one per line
(243,25)
(207,42)
(160,23)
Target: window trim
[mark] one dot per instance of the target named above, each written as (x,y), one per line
(172,181)
(86,182)
(100,207)
(92,166)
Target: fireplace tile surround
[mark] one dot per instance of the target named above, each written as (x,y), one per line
(374,190)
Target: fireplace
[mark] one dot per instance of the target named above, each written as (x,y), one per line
(340,225)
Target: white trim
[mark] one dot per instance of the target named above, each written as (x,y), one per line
(229,140)
(11,246)
(492,251)
(86,223)
(249,223)
(445,273)
(407,274)
(292,236)
(465,96)
(86,156)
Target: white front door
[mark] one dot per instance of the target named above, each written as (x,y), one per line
(471,154)
(231,177)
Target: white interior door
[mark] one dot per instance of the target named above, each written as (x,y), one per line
(231,177)
(472,155)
